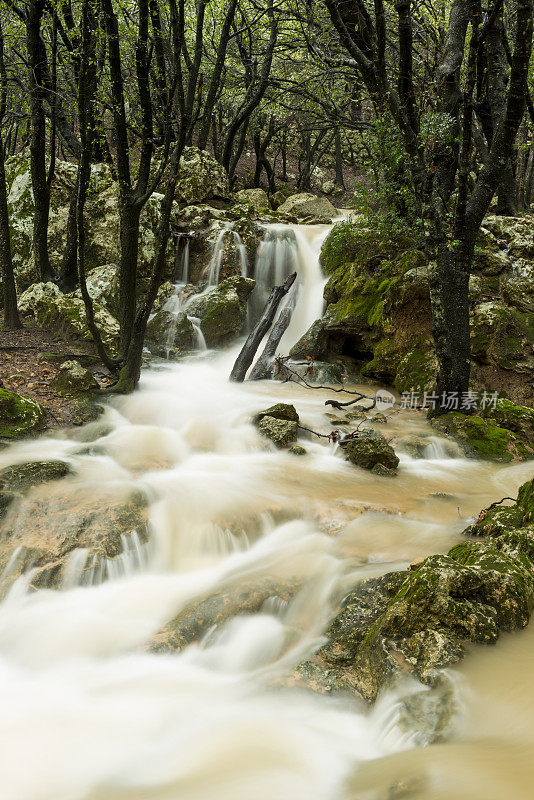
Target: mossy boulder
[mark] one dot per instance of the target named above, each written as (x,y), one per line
(223,310)
(283,411)
(313,344)
(67,315)
(72,379)
(481,437)
(418,621)
(17,479)
(279,424)
(201,177)
(308,205)
(170,334)
(103,287)
(38,293)
(256,197)
(19,416)
(369,449)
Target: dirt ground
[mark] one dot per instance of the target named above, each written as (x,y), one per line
(29,361)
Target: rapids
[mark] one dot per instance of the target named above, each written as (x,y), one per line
(90,713)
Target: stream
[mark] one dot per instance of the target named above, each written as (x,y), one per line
(89,712)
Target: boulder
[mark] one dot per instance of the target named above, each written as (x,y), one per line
(73,379)
(18,479)
(308,205)
(66,314)
(414,445)
(318,373)
(222,311)
(201,177)
(313,344)
(517,286)
(502,336)
(98,532)
(103,287)
(370,449)
(19,415)
(491,438)
(418,621)
(279,423)
(170,334)
(281,432)
(258,198)
(37,293)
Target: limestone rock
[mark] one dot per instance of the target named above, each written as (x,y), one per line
(308,205)
(483,436)
(170,334)
(256,197)
(103,287)
(279,411)
(370,449)
(201,177)
(281,432)
(73,379)
(223,310)
(19,415)
(37,293)
(313,344)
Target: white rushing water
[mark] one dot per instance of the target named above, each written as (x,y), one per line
(90,713)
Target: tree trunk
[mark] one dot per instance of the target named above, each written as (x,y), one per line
(11,312)
(40,185)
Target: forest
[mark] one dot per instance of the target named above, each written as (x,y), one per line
(266,399)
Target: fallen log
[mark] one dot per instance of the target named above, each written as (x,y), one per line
(262,367)
(248,351)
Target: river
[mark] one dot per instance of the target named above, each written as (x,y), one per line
(89,712)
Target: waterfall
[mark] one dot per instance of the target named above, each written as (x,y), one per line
(286,249)
(181,262)
(228,238)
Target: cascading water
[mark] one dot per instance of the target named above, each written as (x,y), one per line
(228,238)
(93,710)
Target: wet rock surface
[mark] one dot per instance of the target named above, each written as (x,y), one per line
(370,450)
(19,416)
(419,621)
(279,424)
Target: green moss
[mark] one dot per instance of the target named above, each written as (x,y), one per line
(417,369)
(357,241)
(482,438)
(18,415)
(386,358)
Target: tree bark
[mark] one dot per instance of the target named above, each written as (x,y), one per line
(246,356)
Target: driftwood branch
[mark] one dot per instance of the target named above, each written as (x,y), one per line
(246,356)
(262,367)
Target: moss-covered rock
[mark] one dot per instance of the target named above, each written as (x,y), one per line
(283,411)
(73,379)
(257,197)
(370,449)
(19,415)
(170,334)
(308,205)
(481,437)
(223,310)
(201,177)
(419,620)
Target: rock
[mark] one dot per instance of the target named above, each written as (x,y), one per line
(201,177)
(18,479)
(418,620)
(503,337)
(19,415)
(414,445)
(170,334)
(383,472)
(297,450)
(194,622)
(313,344)
(277,199)
(279,424)
(482,437)
(318,373)
(73,379)
(256,197)
(37,293)
(316,219)
(517,287)
(489,262)
(66,314)
(279,411)
(370,449)
(328,187)
(103,287)
(281,432)
(223,310)
(308,205)
(27,540)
